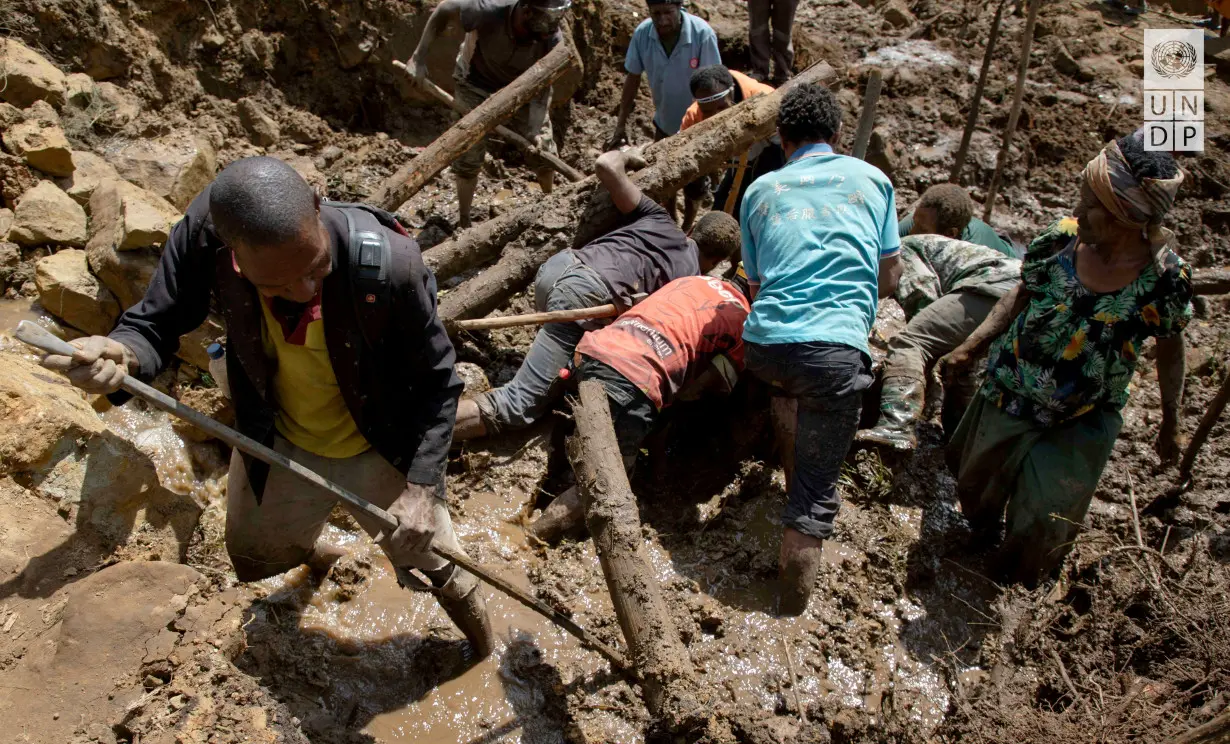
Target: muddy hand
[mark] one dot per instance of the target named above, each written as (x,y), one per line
(414,511)
(953,365)
(98,366)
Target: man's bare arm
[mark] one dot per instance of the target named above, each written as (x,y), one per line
(445,13)
(627,101)
(1171,375)
(890,275)
(612,171)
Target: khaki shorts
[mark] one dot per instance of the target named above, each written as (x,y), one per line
(471,162)
(279,534)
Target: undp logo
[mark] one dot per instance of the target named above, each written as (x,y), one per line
(1174,90)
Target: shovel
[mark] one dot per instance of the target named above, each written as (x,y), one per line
(40,338)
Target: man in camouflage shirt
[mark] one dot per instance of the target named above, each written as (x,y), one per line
(947,289)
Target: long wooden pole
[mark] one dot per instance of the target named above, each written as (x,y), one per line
(1211,281)
(554,316)
(867,119)
(472,127)
(1207,422)
(1216,731)
(971,119)
(40,338)
(1022,71)
(441,95)
(668,678)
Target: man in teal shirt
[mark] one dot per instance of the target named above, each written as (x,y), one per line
(946,209)
(667,47)
(820,249)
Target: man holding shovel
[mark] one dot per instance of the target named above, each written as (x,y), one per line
(335,359)
(504,38)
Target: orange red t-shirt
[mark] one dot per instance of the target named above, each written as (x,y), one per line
(669,339)
(750,88)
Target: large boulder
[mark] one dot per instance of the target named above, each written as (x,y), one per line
(176,166)
(106,105)
(47,215)
(262,129)
(54,441)
(89,170)
(28,75)
(127,217)
(126,273)
(42,144)
(6,223)
(68,290)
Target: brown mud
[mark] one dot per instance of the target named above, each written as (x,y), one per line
(905,639)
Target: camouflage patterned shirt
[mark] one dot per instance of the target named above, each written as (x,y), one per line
(935,266)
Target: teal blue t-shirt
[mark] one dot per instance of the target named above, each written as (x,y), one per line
(814,232)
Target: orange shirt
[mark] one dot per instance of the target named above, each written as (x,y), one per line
(749,86)
(671,338)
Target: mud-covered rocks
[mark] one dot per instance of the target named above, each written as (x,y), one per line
(105,106)
(89,170)
(40,141)
(125,222)
(882,152)
(473,378)
(84,682)
(210,401)
(261,127)
(896,13)
(68,290)
(16,178)
(46,215)
(6,222)
(177,166)
(28,75)
(126,217)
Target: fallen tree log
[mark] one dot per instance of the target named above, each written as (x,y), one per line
(675,162)
(472,127)
(668,678)
(1211,281)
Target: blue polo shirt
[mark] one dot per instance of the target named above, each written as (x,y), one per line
(814,232)
(670,77)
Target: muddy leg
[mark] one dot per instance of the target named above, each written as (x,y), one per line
(465,198)
(469,421)
(784,412)
(546,180)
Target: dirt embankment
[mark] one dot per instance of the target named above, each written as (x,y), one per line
(906,641)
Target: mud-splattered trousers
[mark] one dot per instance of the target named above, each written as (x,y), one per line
(779,44)
(563,283)
(1044,476)
(828,381)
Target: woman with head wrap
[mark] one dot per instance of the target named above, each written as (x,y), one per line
(1063,349)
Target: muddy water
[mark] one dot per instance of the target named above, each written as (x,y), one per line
(497,700)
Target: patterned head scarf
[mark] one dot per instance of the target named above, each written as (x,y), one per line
(1141,204)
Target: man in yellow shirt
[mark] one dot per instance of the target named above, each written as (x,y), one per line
(335,358)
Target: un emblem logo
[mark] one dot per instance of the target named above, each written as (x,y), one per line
(1174,59)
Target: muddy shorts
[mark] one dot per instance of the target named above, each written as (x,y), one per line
(632,412)
(1044,478)
(828,381)
(471,161)
(279,534)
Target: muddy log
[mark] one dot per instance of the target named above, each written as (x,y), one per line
(471,128)
(611,514)
(1211,281)
(675,162)
(1216,731)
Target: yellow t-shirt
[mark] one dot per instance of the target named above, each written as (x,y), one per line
(311,411)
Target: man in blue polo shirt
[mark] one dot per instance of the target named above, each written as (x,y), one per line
(820,249)
(668,46)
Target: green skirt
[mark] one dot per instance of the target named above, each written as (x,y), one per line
(1044,477)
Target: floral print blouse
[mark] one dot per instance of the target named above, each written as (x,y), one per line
(1073,350)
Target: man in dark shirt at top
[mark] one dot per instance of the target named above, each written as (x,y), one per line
(313,374)
(636,259)
(504,38)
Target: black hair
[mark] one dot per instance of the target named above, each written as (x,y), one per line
(717,236)
(953,207)
(809,112)
(712,77)
(1147,163)
(260,202)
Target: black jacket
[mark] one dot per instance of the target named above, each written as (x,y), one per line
(402,393)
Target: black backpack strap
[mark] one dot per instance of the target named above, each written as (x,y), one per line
(369,261)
